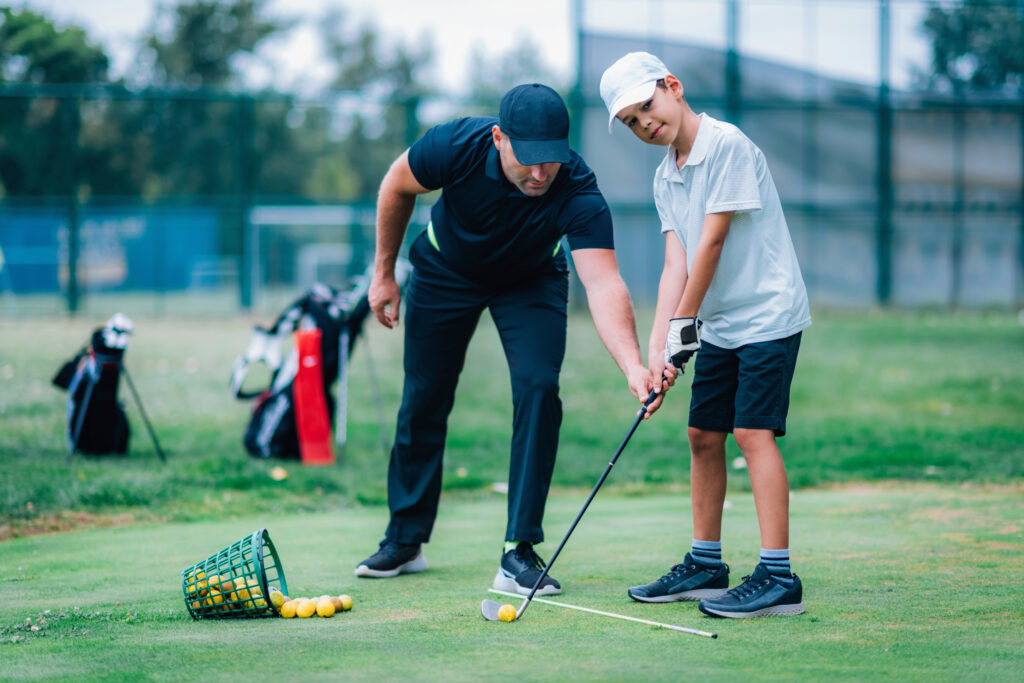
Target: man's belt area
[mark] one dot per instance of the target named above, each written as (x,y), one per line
(433,239)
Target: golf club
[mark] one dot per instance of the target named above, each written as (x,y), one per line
(489,608)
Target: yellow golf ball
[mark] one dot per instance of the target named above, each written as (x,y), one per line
(305,609)
(346,602)
(325,608)
(288,610)
(507,613)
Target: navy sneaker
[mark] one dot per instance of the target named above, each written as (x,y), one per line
(760,595)
(519,570)
(393,559)
(689,580)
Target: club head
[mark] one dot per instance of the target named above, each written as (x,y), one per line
(489,608)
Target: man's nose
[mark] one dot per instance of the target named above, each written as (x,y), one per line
(538,173)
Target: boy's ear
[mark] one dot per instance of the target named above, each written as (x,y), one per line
(674,86)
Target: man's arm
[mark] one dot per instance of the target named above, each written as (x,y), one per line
(670,292)
(612,311)
(395,203)
(705,261)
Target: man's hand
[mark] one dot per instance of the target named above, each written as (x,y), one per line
(385,296)
(639,380)
(682,341)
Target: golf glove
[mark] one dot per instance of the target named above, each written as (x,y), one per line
(683,341)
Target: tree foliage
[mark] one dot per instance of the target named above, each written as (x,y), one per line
(978,43)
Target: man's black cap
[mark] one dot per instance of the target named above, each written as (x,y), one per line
(536,121)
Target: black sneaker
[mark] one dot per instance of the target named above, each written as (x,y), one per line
(519,570)
(393,559)
(760,595)
(690,580)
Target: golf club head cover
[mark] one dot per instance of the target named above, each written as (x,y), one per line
(682,342)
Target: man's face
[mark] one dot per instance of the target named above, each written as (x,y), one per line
(533,181)
(656,120)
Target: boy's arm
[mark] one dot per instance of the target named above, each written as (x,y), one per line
(670,292)
(705,261)
(608,299)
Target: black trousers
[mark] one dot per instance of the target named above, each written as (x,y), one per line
(442,309)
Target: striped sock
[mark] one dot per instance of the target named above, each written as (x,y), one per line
(777,562)
(707,553)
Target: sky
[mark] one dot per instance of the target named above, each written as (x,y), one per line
(835,37)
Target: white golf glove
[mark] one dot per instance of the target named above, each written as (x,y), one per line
(683,341)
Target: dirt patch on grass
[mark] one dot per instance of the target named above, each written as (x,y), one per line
(60,521)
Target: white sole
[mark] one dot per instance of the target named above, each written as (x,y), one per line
(773,611)
(416,564)
(694,595)
(509,585)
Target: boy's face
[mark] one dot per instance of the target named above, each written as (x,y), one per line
(656,120)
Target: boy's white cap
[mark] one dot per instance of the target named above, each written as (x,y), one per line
(630,80)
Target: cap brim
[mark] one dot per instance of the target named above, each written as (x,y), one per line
(637,93)
(532,152)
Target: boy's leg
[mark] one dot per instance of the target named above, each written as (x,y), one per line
(769,482)
(762,401)
(707,482)
(702,574)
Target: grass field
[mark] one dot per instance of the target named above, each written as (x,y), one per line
(914,396)
(905,454)
(902,582)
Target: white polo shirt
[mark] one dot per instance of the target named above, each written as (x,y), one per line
(757,293)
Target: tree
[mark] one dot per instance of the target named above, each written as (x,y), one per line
(194,44)
(979,43)
(382,84)
(490,78)
(37,133)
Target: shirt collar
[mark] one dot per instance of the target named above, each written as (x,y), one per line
(698,151)
(492,166)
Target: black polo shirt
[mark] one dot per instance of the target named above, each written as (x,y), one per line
(486,229)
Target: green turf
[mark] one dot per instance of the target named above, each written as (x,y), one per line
(914,396)
(903,582)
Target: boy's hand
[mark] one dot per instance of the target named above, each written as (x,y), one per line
(682,341)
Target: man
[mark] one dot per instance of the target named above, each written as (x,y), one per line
(512,189)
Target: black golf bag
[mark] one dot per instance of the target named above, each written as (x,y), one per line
(97,423)
(339,316)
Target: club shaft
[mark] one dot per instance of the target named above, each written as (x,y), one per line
(640,416)
(142,411)
(613,615)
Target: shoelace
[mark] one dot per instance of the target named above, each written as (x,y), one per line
(748,587)
(675,571)
(530,557)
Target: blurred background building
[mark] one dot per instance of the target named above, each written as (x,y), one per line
(893,129)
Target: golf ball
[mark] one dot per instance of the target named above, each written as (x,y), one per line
(507,613)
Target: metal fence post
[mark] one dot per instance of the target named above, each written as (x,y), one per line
(70,119)
(247,274)
(883,235)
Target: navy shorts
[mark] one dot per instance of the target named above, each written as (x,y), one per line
(743,388)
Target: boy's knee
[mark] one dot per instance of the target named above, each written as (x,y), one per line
(753,440)
(703,442)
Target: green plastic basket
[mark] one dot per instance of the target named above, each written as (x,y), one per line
(235,583)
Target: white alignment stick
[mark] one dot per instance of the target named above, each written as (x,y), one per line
(609,614)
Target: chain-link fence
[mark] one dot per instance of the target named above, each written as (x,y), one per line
(896,190)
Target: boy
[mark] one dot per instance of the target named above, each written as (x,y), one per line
(731,277)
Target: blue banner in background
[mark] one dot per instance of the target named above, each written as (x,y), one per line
(120,249)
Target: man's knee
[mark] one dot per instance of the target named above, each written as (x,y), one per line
(536,384)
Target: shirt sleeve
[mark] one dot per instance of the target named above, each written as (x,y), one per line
(667,222)
(431,157)
(732,177)
(589,222)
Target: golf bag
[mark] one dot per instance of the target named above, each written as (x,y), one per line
(339,316)
(97,423)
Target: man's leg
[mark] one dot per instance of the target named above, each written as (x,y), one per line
(770,484)
(441,313)
(532,326)
(707,482)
